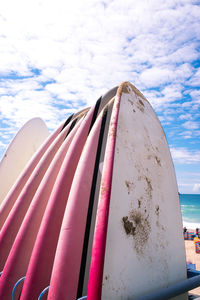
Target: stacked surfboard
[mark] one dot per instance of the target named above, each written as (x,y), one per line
(95,211)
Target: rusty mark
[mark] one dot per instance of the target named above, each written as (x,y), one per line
(149,188)
(129,100)
(142,230)
(112,132)
(126,87)
(129,185)
(139,203)
(123,88)
(103,189)
(140,101)
(157,208)
(140,106)
(139,227)
(107,277)
(158,161)
(137,92)
(128,226)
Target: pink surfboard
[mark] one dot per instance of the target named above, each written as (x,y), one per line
(17,263)
(73,243)
(41,261)
(13,194)
(17,213)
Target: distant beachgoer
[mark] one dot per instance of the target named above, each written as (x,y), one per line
(184,229)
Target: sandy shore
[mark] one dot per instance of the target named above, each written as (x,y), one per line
(194,258)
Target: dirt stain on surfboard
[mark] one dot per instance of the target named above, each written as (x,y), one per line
(103,189)
(129,185)
(128,226)
(157,159)
(138,226)
(149,188)
(140,105)
(157,208)
(129,100)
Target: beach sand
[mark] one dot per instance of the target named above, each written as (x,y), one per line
(194,258)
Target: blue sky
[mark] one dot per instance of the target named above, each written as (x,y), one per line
(57,57)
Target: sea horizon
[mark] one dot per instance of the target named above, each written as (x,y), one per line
(190,210)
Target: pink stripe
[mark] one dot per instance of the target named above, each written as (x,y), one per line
(99,243)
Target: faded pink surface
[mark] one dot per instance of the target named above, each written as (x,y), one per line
(70,244)
(99,242)
(17,213)
(41,262)
(18,259)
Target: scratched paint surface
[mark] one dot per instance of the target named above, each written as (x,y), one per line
(144,249)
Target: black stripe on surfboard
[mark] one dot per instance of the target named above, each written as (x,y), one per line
(96,109)
(72,126)
(67,122)
(90,207)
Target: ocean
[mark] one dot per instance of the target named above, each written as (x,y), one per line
(190,209)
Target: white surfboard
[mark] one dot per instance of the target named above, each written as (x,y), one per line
(21,149)
(144,249)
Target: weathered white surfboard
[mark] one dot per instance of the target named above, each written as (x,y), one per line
(21,149)
(144,248)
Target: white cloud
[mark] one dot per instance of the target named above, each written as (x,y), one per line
(187,178)
(195,79)
(184,156)
(186,53)
(157,76)
(195,94)
(186,134)
(164,98)
(185,117)
(196,187)
(190,125)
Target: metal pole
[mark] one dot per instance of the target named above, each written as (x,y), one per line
(173,290)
